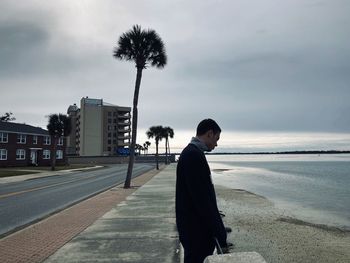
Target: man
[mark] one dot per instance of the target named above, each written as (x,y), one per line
(197,216)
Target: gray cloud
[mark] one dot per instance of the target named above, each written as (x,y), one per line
(251,65)
(21,47)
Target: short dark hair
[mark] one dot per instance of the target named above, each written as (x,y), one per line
(207,125)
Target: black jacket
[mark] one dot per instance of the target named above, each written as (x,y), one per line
(197,215)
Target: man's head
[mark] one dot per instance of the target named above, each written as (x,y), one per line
(209,131)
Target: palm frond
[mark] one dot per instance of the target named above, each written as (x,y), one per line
(156,132)
(141,46)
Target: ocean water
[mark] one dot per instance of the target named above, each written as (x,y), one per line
(313,188)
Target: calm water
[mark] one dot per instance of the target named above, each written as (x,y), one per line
(310,187)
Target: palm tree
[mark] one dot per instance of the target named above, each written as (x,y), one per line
(146,145)
(156,132)
(168,132)
(138,147)
(144,148)
(143,47)
(59,125)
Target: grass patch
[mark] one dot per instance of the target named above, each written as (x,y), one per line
(11,172)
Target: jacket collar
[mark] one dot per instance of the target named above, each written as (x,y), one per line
(199,144)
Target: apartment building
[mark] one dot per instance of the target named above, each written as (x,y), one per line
(98,128)
(24,145)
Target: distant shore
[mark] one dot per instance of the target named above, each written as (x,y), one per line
(278,152)
(283,152)
(257,225)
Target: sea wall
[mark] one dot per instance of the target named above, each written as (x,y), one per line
(150,158)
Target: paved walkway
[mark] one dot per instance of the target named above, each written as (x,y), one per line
(139,229)
(38,241)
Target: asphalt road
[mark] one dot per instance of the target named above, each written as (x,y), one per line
(26,202)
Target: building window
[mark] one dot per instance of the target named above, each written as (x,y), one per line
(35,139)
(59,154)
(109,113)
(4,137)
(109,120)
(21,138)
(3,154)
(60,141)
(20,154)
(47,140)
(46,154)
(109,141)
(109,135)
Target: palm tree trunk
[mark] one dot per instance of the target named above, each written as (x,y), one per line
(166,150)
(157,155)
(134,128)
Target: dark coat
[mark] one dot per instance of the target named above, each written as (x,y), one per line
(197,215)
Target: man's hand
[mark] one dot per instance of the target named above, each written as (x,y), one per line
(225,250)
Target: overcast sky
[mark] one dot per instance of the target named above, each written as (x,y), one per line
(253,65)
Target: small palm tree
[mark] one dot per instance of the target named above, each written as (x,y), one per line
(168,133)
(146,145)
(156,132)
(143,47)
(138,147)
(144,148)
(59,125)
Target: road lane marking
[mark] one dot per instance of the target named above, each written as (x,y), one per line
(136,170)
(42,187)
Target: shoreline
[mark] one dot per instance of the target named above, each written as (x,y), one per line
(258,225)
(296,221)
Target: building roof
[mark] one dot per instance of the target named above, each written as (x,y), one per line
(121,108)
(72,108)
(21,128)
(97,102)
(109,104)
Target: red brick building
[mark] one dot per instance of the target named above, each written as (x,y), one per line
(25,145)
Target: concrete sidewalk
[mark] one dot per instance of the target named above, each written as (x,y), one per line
(140,229)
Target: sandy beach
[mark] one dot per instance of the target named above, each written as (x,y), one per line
(257,225)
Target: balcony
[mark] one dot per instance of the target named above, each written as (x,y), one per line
(121,143)
(124,117)
(121,137)
(122,130)
(123,123)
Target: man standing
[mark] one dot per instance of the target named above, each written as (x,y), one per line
(197,215)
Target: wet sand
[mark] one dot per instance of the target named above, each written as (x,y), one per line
(257,225)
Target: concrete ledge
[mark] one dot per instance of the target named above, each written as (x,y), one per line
(150,158)
(239,257)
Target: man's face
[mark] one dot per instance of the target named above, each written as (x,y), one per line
(212,139)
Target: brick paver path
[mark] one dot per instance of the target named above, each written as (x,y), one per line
(38,241)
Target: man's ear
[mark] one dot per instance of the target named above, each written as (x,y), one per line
(210,133)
